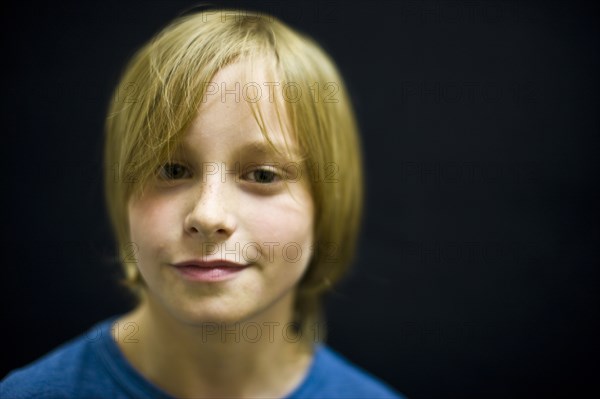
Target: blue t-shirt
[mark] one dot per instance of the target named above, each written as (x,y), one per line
(92,366)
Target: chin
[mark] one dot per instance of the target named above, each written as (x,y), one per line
(198,314)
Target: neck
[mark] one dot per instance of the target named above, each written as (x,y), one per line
(258,357)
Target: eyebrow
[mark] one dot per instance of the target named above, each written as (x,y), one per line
(253,148)
(264,148)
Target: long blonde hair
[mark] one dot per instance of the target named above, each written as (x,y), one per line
(159,95)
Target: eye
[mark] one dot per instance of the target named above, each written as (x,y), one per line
(263,176)
(173,171)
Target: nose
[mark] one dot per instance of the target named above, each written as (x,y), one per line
(211,214)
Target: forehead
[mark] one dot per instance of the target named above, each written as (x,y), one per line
(241,107)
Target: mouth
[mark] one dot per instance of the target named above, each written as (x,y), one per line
(209,271)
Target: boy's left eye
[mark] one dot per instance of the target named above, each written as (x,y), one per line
(263,176)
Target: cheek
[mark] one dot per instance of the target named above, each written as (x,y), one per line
(283,227)
(150,222)
(280,221)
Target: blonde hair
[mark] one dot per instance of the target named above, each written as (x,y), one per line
(159,95)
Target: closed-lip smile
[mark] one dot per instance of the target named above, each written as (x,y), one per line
(209,271)
(209,264)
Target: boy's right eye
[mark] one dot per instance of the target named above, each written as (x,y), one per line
(173,171)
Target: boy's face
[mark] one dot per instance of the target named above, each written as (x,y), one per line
(225,198)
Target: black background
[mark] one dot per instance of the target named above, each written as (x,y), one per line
(478,267)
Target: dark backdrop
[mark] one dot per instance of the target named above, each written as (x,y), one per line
(478,267)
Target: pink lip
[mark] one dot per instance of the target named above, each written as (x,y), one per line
(216,270)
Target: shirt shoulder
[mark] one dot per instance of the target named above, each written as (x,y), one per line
(74,369)
(332,376)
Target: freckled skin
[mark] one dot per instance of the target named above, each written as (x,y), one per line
(174,221)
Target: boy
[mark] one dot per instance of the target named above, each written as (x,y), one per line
(236,205)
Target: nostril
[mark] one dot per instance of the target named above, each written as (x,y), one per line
(194,230)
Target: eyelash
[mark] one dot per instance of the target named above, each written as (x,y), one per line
(162,168)
(274,175)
